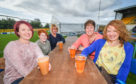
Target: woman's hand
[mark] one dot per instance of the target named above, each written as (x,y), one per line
(49,67)
(81,48)
(59,42)
(71,47)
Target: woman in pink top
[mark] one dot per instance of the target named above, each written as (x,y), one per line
(20,55)
(88,38)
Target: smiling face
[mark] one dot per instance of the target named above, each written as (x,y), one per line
(89,29)
(112,33)
(43,37)
(54,30)
(24,32)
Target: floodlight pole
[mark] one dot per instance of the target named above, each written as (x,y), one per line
(99,14)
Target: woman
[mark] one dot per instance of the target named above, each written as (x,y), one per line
(43,43)
(54,37)
(113,53)
(88,38)
(20,55)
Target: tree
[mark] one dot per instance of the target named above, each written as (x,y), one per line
(36,23)
(7,23)
(10,23)
(47,25)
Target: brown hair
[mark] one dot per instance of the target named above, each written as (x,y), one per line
(52,26)
(89,22)
(18,23)
(42,31)
(121,27)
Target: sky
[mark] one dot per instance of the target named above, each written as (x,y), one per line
(64,10)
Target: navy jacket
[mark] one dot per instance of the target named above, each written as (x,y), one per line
(53,40)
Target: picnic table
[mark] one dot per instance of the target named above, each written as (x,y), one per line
(63,70)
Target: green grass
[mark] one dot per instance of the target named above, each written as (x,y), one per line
(131,79)
(5,38)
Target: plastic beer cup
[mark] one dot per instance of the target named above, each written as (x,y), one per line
(43,63)
(72,53)
(60,45)
(80,63)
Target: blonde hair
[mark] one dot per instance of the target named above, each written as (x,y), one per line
(119,26)
(54,26)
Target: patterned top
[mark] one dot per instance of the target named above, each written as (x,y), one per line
(20,59)
(45,47)
(111,58)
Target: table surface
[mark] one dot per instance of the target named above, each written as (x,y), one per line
(63,70)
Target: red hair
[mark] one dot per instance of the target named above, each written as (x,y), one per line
(42,31)
(18,23)
(119,26)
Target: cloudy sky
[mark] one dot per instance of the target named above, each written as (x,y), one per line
(64,10)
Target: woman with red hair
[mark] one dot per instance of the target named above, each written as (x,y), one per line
(113,54)
(20,55)
(43,42)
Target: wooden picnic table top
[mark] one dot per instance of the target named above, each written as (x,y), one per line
(63,70)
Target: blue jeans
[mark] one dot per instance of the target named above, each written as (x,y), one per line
(17,81)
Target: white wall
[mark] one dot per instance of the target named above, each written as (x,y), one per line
(71,27)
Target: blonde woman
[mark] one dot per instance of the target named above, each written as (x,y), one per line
(54,37)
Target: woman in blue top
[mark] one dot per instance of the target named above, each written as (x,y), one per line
(54,37)
(113,53)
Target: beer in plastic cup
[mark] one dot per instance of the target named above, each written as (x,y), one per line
(60,45)
(72,53)
(43,63)
(80,63)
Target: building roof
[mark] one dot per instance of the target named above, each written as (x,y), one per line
(70,20)
(124,9)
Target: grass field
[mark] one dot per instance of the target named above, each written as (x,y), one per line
(5,38)
(131,79)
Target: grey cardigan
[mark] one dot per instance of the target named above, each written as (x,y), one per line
(45,47)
